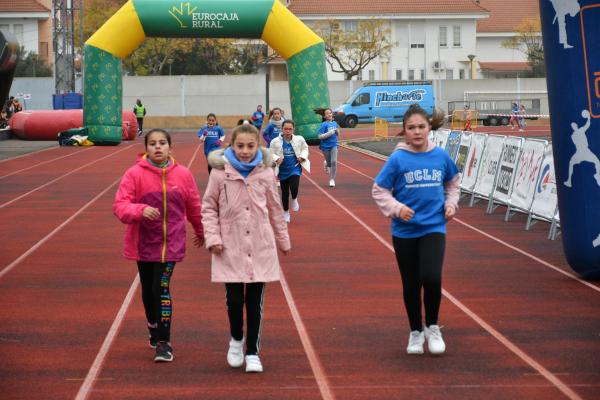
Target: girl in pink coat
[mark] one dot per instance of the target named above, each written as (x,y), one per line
(244,227)
(154,198)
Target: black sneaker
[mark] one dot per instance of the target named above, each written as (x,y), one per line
(152,337)
(164,352)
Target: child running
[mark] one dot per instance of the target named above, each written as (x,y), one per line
(290,153)
(212,135)
(154,198)
(418,187)
(328,133)
(244,226)
(274,128)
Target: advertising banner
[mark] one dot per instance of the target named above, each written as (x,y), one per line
(471,167)
(508,165)
(544,194)
(463,151)
(489,165)
(452,144)
(528,171)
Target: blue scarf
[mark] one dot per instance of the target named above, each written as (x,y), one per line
(242,167)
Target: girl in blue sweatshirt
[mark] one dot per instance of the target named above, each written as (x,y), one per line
(212,135)
(328,133)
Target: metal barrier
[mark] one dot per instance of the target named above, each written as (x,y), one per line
(465,120)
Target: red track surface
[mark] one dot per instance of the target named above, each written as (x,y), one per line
(514,326)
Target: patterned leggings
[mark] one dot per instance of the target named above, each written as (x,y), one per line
(155,278)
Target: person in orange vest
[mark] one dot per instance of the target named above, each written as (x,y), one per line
(140,111)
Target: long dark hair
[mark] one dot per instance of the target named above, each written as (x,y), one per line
(435,121)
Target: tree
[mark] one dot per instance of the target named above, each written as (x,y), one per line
(350,50)
(29,64)
(528,40)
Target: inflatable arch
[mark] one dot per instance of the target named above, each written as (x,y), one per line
(268,20)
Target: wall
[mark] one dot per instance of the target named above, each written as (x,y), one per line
(192,97)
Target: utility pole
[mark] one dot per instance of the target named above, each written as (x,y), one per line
(64,46)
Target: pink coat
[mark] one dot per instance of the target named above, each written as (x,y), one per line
(174,192)
(246,217)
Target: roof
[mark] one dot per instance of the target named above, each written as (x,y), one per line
(21,6)
(507,14)
(383,7)
(505,66)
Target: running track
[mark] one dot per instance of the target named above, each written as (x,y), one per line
(517,323)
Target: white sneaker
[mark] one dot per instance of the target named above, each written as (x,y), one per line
(416,340)
(295,205)
(287,217)
(435,343)
(331,183)
(235,355)
(253,364)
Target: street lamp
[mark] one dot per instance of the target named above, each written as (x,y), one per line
(471,57)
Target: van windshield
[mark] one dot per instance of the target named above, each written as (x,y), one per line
(350,99)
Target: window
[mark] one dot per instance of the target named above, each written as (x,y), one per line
(449,74)
(4,28)
(18,31)
(398,74)
(417,46)
(350,26)
(361,99)
(443,36)
(411,74)
(422,74)
(371,75)
(461,73)
(456,36)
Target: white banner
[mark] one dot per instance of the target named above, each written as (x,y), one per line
(544,198)
(471,167)
(441,137)
(507,167)
(528,171)
(463,151)
(489,165)
(452,144)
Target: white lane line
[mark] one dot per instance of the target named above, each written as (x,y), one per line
(96,367)
(61,177)
(28,154)
(46,162)
(55,231)
(311,354)
(502,242)
(567,391)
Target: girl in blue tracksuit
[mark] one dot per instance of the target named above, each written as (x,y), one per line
(274,128)
(328,133)
(212,135)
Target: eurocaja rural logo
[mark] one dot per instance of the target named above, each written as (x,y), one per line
(189,16)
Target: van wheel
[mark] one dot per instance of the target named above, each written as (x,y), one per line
(486,122)
(504,121)
(351,121)
(493,121)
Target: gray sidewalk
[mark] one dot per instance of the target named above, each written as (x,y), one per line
(12,147)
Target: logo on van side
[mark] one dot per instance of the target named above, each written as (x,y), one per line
(393,99)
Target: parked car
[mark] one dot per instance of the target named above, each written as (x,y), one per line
(387,100)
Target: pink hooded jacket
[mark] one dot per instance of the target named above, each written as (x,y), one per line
(174,193)
(390,207)
(246,217)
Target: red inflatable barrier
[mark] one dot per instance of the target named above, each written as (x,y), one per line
(46,124)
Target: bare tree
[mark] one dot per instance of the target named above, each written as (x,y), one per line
(528,40)
(350,50)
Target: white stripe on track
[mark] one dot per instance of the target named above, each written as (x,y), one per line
(45,162)
(502,242)
(567,391)
(311,354)
(62,176)
(28,154)
(55,231)
(96,368)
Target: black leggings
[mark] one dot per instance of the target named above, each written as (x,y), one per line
(155,278)
(140,122)
(253,298)
(420,262)
(291,184)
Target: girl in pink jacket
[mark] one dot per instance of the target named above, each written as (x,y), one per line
(153,199)
(244,227)
(418,188)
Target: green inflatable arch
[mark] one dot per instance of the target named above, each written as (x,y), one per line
(268,20)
